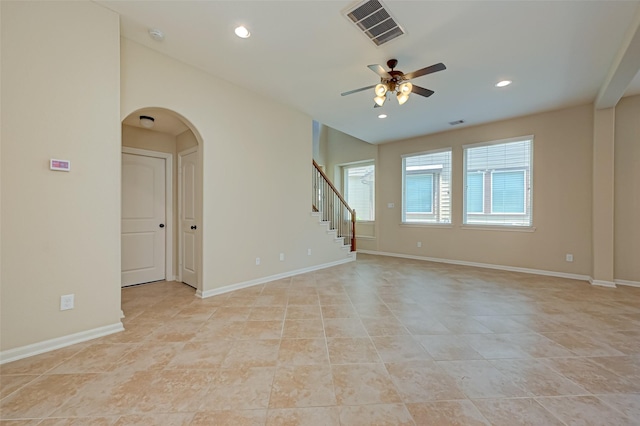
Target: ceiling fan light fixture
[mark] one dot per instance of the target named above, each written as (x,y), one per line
(406,88)
(146,121)
(382,116)
(381,89)
(402,97)
(379,100)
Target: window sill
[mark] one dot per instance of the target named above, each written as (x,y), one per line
(499,228)
(425,225)
(365,237)
(366,222)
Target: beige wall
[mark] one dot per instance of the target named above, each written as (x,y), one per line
(256,201)
(561,197)
(60,231)
(185,140)
(627,190)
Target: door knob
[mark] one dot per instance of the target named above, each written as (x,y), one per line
(194,227)
(162,225)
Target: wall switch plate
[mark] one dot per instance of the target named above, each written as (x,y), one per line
(66,302)
(569,257)
(419,244)
(281,256)
(390,205)
(257,260)
(308,252)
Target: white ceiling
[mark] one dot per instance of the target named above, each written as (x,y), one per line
(305,53)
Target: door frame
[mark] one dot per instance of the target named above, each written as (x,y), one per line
(168,198)
(180,242)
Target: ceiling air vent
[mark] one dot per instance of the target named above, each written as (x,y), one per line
(374,20)
(455,123)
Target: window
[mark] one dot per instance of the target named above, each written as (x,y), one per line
(426,183)
(359,189)
(497,183)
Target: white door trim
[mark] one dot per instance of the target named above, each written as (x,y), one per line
(168,188)
(180,242)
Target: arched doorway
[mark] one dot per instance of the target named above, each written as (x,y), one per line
(161,198)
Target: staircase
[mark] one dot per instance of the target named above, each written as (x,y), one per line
(332,209)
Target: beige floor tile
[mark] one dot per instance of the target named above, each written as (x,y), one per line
(164,419)
(537,378)
(386,326)
(352,351)
(80,421)
(344,327)
(422,381)
(10,384)
(361,384)
(200,356)
(627,404)
(43,395)
(521,411)
(303,329)
(584,411)
(149,356)
(303,312)
(239,388)
(313,416)
(95,358)
(447,347)
(376,414)
(302,386)
(267,313)
(399,349)
(39,364)
(230,418)
(252,353)
(480,379)
(591,376)
(182,358)
(303,352)
(214,330)
(447,413)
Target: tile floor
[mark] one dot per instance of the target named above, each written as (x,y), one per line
(381,341)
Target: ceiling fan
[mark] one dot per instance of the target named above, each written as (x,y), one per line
(397,82)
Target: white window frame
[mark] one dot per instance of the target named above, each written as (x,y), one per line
(343,176)
(528,191)
(404,157)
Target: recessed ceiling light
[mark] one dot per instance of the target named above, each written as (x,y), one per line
(503,83)
(382,116)
(156,34)
(242,32)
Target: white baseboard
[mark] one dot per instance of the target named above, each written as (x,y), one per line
(57,343)
(601,283)
(483,265)
(251,283)
(627,283)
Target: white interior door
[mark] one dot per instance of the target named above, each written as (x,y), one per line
(143,219)
(188,218)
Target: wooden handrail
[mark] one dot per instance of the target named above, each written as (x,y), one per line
(326,194)
(326,178)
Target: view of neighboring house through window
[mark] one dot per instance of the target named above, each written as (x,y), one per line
(497,183)
(359,189)
(426,183)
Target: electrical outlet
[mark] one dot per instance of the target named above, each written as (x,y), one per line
(281,256)
(257,260)
(66,302)
(569,257)
(419,243)
(308,252)
(390,205)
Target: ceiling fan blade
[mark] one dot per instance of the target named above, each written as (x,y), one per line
(379,70)
(425,71)
(357,90)
(422,91)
